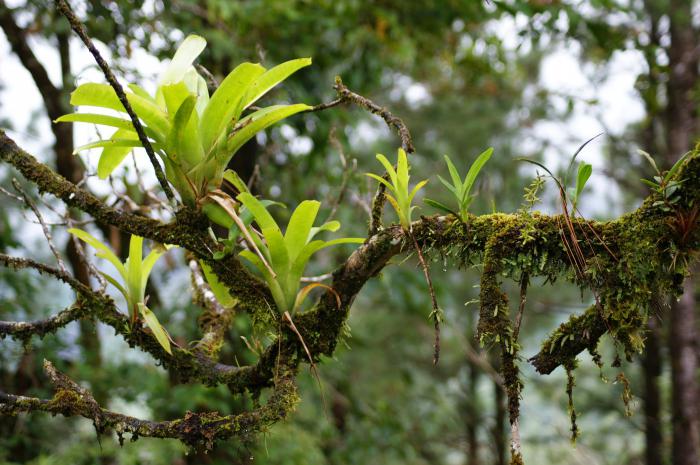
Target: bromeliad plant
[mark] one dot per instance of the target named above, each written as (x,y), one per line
(461,189)
(399,187)
(287,254)
(134,276)
(663,183)
(195,135)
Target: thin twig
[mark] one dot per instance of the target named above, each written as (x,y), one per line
(77,26)
(44,227)
(347,174)
(436,310)
(524,282)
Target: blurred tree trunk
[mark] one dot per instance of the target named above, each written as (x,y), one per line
(681,130)
(473,419)
(652,397)
(500,438)
(55,99)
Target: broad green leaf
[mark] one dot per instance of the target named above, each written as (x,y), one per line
(331,226)
(225,102)
(133,268)
(173,96)
(270,79)
(474,171)
(402,176)
(103,96)
(256,122)
(96,118)
(183,140)
(299,227)
(150,261)
(279,256)
(235,180)
(112,157)
(154,324)
(186,53)
(260,213)
(122,142)
(217,287)
(389,168)
(382,180)
(198,86)
(103,251)
(141,92)
(584,172)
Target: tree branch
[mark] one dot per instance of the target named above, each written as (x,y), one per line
(77,26)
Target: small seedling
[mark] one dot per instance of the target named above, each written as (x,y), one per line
(461,189)
(401,201)
(663,183)
(134,276)
(399,187)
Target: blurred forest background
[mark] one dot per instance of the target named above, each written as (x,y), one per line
(531,78)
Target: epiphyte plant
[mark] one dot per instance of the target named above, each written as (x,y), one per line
(663,183)
(195,135)
(461,189)
(399,186)
(287,254)
(134,273)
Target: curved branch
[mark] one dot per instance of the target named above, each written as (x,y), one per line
(194,429)
(27,329)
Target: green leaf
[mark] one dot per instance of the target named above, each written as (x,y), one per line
(256,122)
(232,177)
(116,284)
(103,96)
(183,140)
(389,169)
(219,289)
(650,159)
(150,261)
(112,157)
(186,53)
(96,118)
(415,190)
(103,251)
(270,79)
(141,92)
(331,226)
(260,213)
(381,180)
(122,142)
(474,171)
(154,324)
(676,166)
(454,174)
(133,269)
(584,172)
(299,227)
(440,206)
(224,103)
(455,190)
